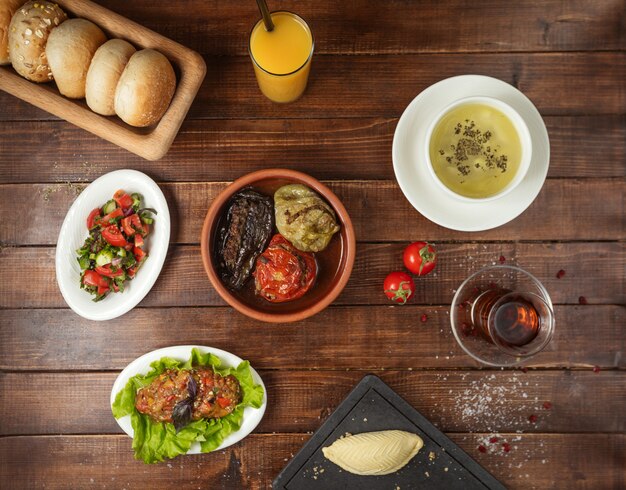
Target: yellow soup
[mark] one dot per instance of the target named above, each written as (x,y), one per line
(281,57)
(475,150)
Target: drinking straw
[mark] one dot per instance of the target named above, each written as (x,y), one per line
(267,18)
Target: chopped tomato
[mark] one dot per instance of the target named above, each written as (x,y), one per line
(131,224)
(138,241)
(223,402)
(113,236)
(92,278)
(146,229)
(113,214)
(91,219)
(115,287)
(139,254)
(131,271)
(122,199)
(102,289)
(106,271)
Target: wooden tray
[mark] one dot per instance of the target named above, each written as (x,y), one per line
(150,143)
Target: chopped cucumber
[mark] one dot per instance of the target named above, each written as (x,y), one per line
(104,257)
(110,206)
(121,252)
(136,200)
(84,262)
(147,220)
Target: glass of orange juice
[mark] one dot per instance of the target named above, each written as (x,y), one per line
(282,57)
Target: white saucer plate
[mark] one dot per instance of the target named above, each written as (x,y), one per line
(251,416)
(418,184)
(74,232)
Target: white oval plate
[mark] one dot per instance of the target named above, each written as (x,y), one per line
(74,231)
(141,365)
(418,184)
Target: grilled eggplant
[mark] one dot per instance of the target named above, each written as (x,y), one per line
(243,233)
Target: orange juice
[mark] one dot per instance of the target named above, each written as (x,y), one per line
(282,57)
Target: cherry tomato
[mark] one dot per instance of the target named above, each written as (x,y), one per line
(138,240)
(122,199)
(105,270)
(420,258)
(92,278)
(284,273)
(113,236)
(91,219)
(399,287)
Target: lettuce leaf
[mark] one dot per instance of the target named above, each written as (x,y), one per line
(157,441)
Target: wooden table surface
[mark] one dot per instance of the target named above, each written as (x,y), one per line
(372,58)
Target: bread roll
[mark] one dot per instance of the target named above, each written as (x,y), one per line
(70,48)
(145,89)
(28,32)
(7,9)
(104,73)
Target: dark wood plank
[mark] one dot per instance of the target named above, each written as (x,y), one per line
(378,210)
(381,337)
(595,270)
(350,27)
(561,461)
(585,146)
(454,401)
(383,85)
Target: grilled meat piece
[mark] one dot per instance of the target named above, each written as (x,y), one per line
(216,395)
(242,234)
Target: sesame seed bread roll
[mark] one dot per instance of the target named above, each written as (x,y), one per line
(104,74)
(28,33)
(70,48)
(7,9)
(145,89)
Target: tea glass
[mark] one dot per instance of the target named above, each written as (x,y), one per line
(475,306)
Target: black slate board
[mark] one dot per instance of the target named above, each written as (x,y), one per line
(372,406)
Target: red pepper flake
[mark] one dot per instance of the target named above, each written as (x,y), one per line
(506,447)
(532,419)
(560,274)
(502,259)
(582,300)
(424,318)
(482,449)
(596,369)
(493,440)
(547,405)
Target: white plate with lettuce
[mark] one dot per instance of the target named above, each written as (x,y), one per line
(154,441)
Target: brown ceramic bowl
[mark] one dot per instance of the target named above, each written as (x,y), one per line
(335,262)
